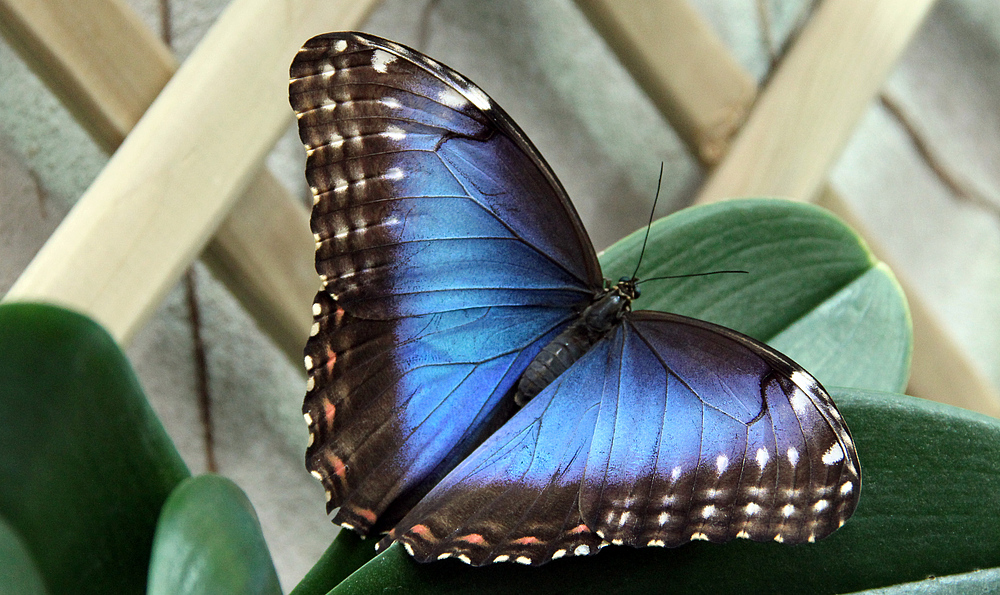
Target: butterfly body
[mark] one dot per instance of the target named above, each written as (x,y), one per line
(458,285)
(596,320)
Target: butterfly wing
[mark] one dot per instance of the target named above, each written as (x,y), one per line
(516,498)
(712,435)
(449,254)
(688,431)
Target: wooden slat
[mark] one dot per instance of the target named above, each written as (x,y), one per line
(941,370)
(684,68)
(802,120)
(171,183)
(98,58)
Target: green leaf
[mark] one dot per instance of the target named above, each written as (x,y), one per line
(84,463)
(347,553)
(18,574)
(980,582)
(209,541)
(930,505)
(813,291)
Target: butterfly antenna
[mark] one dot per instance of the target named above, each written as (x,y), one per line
(692,275)
(650,224)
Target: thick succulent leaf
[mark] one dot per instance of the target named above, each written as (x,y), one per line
(979,582)
(813,289)
(930,506)
(208,540)
(84,463)
(346,553)
(18,574)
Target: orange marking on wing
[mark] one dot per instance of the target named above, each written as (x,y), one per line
(366,514)
(422,531)
(329,412)
(473,538)
(529,540)
(338,315)
(581,528)
(331,358)
(339,469)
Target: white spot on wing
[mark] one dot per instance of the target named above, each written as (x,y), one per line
(523,560)
(582,550)
(721,463)
(314,329)
(788,510)
(821,505)
(847,488)
(833,455)
(502,558)
(310,384)
(793,455)
(752,508)
(451,98)
(708,511)
(381,60)
(558,554)
(675,473)
(340,45)
(316,474)
(762,457)
(394,133)
(799,401)
(663,518)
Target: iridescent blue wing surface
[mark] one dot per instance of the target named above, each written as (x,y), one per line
(669,430)
(448,254)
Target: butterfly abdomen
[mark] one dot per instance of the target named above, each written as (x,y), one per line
(571,344)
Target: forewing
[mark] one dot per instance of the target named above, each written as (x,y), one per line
(448,254)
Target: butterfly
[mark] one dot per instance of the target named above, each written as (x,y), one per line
(478,390)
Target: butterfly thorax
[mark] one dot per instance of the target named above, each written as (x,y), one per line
(596,320)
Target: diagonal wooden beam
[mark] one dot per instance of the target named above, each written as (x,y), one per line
(795,129)
(174,182)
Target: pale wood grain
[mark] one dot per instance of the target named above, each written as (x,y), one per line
(97,56)
(802,120)
(179,172)
(683,68)
(835,95)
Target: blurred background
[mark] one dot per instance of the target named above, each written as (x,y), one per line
(920,171)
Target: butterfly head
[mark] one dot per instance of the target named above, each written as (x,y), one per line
(627,287)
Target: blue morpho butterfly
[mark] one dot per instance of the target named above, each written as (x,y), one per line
(458,279)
